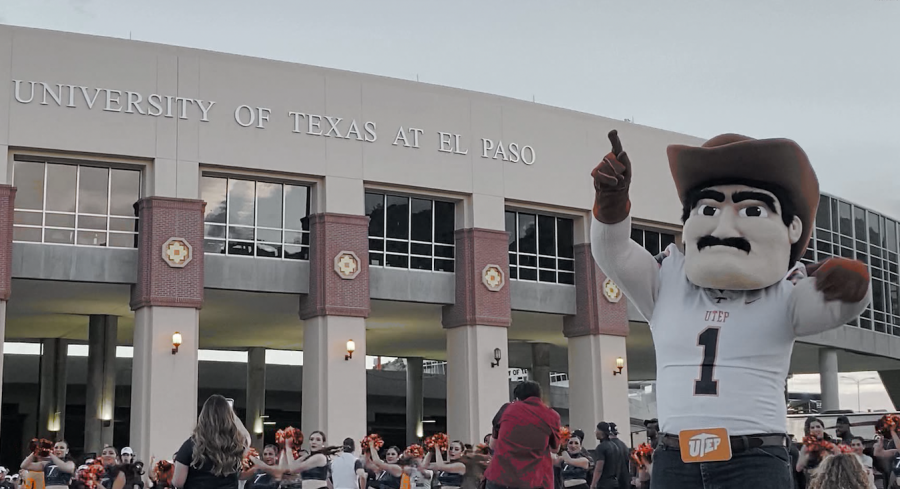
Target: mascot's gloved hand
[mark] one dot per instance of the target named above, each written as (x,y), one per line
(612,178)
(840,279)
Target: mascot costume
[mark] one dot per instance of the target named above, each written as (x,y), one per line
(725,311)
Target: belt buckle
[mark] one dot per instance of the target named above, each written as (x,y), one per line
(705,445)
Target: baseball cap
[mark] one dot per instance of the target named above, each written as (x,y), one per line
(127,451)
(648,422)
(842,420)
(603,426)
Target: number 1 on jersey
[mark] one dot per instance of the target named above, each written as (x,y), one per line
(709,340)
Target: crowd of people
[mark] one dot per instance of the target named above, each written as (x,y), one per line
(527,449)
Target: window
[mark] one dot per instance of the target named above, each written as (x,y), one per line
(76,204)
(411,232)
(541,248)
(255,218)
(653,241)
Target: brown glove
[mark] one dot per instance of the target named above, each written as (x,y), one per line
(612,178)
(840,279)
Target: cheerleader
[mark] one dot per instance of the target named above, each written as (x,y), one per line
(313,469)
(57,466)
(388,472)
(415,468)
(815,447)
(451,473)
(109,457)
(574,463)
(265,473)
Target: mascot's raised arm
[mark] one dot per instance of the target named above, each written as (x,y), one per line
(723,313)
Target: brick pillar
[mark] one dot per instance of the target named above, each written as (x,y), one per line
(166,299)
(477,325)
(596,335)
(334,313)
(7,204)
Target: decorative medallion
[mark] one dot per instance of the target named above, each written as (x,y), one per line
(611,291)
(346,265)
(492,277)
(177,252)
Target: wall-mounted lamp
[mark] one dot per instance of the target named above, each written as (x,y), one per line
(258,426)
(620,364)
(351,347)
(53,424)
(176,342)
(497,356)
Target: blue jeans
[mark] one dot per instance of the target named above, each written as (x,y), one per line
(757,468)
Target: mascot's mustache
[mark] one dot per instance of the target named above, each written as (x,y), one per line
(739,243)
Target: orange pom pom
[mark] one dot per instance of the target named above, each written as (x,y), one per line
(415,451)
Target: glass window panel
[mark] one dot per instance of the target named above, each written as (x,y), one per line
(29,181)
(444,222)
(894,291)
(269,250)
(418,263)
(213,246)
(443,251)
(823,236)
(397,217)
(61,188)
(835,220)
(891,233)
(846,252)
(420,249)
(31,218)
(823,215)
(241,198)
(61,236)
(878,295)
(846,242)
(213,191)
(547,235)
(59,220)
(212,231)
(565,238)
(547,276)
(566,278)
(268,236)
(443,265)
(809,255)
(665,240)
(240,248)
(124,191)
(527,274)
(92,238)
(26,234)
(859,221)
(375,213)
(823,247)
(511,230)
(123,224)
(296,238)
(420,220)
(637,235)
(651,242)
(296,208)
(874,231)
(846,219)
(91,222)
(547,263)
(235,232)
(376,244)
(528,260)
(397,261)
(527,233)
(568,265)
(296,252)
(376,259)
(397,246)
(512,259)
(119,240)
(513,273)
(93,189)
(268,205)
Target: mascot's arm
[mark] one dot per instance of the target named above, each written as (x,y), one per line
(627,263)
(837,291)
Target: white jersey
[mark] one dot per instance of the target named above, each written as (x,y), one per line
(722,357)
(343,471)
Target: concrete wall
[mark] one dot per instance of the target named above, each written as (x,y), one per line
(74,263)
(256,274)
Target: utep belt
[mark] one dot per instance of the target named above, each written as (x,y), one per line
(738,443)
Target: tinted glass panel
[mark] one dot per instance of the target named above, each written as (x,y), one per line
(296,207)
(214,191)
(511,229)
(397,217)
(651,242)
(241,208)
(27,234)
(269,205)
(547,235)
(375,212)
(859,219)
(565,238)
(823,215)
(93,189)
(890,231)
(665,240)
(29,180)
(420,229)
(444,222)
(874,229)
(30,218)
(527,234)
(61,189)
(125,190)
(846,219)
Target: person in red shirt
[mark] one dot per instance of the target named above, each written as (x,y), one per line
(525,431)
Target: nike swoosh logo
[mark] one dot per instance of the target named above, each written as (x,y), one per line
(751,302)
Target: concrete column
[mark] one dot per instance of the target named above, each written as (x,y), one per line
(7,204)
(540,368)
(595,393)
(52,403)
(256,395)
(596,340)
(334,387)
(828,379)
(166,299)
(101,382)
(415,399)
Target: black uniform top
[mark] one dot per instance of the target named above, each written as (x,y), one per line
(571,472)
(55,477)
(261,480)
(384,480)
(203,478)
(450,479)
(608,453)
(315,473)
(624,472)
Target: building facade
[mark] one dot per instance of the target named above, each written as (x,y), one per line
(156,195)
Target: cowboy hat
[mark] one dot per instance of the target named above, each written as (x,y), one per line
(733,157)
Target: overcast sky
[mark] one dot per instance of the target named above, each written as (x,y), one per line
(823,72)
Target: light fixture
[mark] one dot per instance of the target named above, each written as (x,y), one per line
(176,342)
(269,423)
(258,426)
(53,424)
(497,356)
(351,347)
(620,364)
